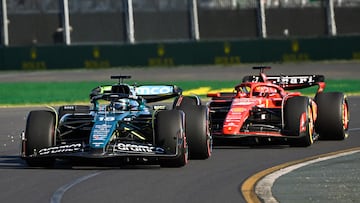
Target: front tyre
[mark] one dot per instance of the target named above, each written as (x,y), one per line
(198,133)
(197,128)
(170,134)
(39,134)
(298,119)
(333,116)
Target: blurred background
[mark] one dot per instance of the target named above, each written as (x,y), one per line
(32,29)
(107,21)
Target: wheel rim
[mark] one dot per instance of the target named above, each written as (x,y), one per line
(185,147)
(208,139)
(345,118)
(311,125)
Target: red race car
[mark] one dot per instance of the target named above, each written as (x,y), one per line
(263,110)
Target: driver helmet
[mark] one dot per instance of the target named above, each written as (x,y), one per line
(259,91)
(134,105)
(121,105)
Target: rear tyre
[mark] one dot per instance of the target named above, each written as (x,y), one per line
(333,116)
(171,136)
(186,101)
(197,130)
(39,134)
(299,121)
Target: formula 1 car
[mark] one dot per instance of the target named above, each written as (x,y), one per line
(262,110)
(120,126)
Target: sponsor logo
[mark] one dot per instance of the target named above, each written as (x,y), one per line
(154,90)
(159,107)
(229,123)
(137,148)
(102,127)
(100,132)
(238,109)
(244,103)
(106,118)
(60,149)
(292,79)
(99,137)
(69,107)
(98,144)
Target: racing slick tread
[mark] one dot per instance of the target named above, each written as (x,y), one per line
(293,110)
(330,122)
(197,132)
(169,125)
(39,134)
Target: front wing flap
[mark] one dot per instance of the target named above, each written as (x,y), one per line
(111,151)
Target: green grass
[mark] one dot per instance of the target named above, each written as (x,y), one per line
(29,93)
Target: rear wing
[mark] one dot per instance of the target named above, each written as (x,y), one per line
(154,93)
(290,82)
(151,93)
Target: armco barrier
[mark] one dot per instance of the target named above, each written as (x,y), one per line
(180,53)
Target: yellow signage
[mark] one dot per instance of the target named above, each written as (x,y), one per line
(96,52)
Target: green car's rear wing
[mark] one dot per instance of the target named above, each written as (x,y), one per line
(154,93)
(151,93)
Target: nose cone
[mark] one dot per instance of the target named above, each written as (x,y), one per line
(237,115)
(234,120)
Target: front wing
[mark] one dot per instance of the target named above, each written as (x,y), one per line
(115,151)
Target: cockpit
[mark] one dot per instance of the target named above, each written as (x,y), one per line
(124,105)
(265,91)
(257,90)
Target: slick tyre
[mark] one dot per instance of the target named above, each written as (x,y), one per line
(39,134)
(333,116)
(197,130)
(298,121)
(170,134)
(72,109)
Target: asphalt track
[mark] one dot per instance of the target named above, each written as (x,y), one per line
(218,179)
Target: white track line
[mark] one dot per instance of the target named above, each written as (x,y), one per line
(263,187)
(56,197)
(354,129)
